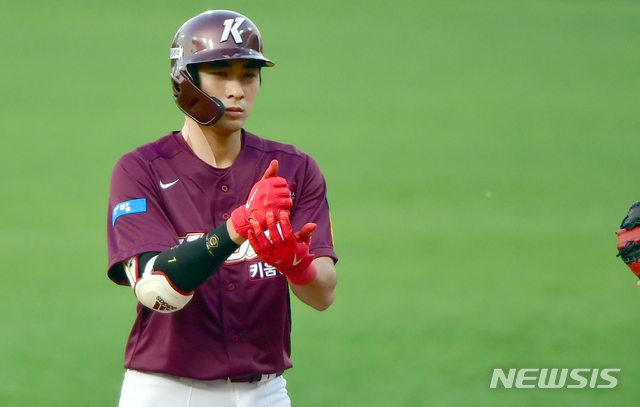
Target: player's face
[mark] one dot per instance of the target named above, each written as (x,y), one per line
(236,83)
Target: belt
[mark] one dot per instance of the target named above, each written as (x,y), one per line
(253,378)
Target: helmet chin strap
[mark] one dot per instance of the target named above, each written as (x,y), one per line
(196,139)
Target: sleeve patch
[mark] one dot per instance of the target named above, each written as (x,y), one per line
(127,208)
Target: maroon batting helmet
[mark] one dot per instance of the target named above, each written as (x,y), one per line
(216,35)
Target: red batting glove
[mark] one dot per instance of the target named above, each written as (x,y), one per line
(288,252)
(268,194)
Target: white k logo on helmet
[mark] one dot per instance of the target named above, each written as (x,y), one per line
(231,27)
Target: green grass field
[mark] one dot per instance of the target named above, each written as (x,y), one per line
(480,156)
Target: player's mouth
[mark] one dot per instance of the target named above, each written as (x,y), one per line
(234,111)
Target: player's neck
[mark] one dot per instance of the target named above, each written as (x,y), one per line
(217,150)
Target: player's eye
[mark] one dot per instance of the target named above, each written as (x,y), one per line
(251,74)
(215,72)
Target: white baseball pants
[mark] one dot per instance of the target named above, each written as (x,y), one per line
(141,389)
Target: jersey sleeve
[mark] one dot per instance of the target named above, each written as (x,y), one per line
(136,222)
(311,205)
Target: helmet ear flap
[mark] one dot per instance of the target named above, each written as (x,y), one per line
(192,70)
(196,104)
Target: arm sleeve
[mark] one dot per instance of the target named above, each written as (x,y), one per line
(190,264)
(186,266)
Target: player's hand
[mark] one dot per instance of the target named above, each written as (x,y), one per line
(629,239)
(288,252)
(268,194)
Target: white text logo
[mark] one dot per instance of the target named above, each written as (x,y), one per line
(554,378)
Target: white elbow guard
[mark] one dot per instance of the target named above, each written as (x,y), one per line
(155,291)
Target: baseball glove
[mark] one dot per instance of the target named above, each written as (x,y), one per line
(629,239)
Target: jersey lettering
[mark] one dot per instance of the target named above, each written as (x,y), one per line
(231,27)
(244,252)
(261,270)
(190,237)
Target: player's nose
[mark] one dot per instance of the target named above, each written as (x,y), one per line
(234,89)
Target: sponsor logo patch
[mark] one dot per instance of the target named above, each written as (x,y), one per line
(175,53)
(128,208)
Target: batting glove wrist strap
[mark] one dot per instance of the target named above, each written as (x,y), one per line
(304,277)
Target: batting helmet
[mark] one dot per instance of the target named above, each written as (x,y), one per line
(216,35)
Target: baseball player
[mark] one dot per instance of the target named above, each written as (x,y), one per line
(212,226)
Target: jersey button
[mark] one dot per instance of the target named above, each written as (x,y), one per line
(235,338)
(231,287)
(225,216)
(225,188)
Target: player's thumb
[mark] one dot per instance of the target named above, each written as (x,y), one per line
(304,235)
(272,171)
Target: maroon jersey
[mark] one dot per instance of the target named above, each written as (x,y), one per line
(238,322)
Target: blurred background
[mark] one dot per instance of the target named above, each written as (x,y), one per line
(480,156)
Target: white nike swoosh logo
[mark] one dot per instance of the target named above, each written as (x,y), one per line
(165,186)
(252,196)
(295,260)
